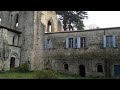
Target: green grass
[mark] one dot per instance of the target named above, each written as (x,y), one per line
(17,75)
(45,74)
(78,77)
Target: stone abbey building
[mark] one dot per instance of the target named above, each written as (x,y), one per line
(37,38)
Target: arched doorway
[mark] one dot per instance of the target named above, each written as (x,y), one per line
(12,62)
(82,70)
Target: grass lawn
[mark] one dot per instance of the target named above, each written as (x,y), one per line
(40,75)
(17,75)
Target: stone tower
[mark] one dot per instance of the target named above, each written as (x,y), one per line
(29,27)
(31,39)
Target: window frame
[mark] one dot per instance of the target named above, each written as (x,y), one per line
(83,42)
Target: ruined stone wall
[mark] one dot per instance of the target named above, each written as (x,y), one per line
(7,51)
(50,15)
(31,39)
(38,48)
(26,39)
(9,19)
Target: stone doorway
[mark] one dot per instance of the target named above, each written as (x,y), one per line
(12,62)
(82,70)
(117,70)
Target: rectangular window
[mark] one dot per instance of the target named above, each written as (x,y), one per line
(109,42)
(75,42)
(70,42)
(83,42)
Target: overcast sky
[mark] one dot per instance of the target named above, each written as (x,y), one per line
(103,19)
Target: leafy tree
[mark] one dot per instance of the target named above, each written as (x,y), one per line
(72,19)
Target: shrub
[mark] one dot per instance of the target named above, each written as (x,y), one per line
(46,74)
(23,68)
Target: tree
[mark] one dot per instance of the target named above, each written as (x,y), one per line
(72,19)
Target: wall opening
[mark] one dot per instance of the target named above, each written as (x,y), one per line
(82,70)
(16,24)
(12,62)
(49,29)
(0,21)
(66,66)
(117,70)
(99,68)
(13,40)
(11,20)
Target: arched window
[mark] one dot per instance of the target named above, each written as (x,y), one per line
(99,68)
(65,66)
(16,24)
(49,29)
(0,21)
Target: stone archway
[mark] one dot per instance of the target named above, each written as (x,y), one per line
(82,70)
(50,25)
(13,58)
(12,62)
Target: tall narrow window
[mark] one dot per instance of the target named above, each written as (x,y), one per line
(70,42)
(17,16)
(0,21)
(11,21)
(83,42)
(109,41)
(49,27)
(13,40)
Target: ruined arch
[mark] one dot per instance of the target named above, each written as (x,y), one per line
(16,20)
(13,19)
(50,25)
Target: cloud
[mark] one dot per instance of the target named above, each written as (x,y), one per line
(103,19)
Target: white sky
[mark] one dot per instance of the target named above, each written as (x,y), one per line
(103,19)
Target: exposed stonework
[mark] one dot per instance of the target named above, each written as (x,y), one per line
(30,39)
(94,53)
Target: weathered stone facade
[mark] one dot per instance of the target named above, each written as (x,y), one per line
(90,56)
(37,37)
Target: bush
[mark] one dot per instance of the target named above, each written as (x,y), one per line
(46,74)
(23,68)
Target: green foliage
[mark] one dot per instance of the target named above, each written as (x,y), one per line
(110,55)
(47,74)
(22,68)
(72,19)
